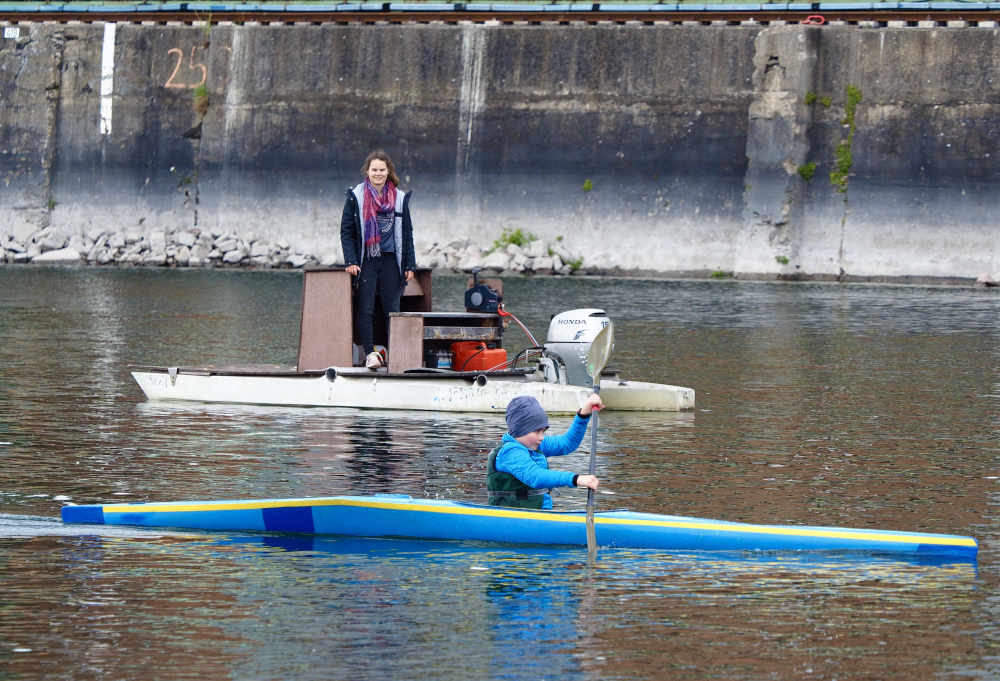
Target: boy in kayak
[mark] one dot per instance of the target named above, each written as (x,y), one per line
(517,471)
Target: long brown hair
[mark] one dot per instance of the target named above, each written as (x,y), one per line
(380,155)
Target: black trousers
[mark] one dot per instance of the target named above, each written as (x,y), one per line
(379,276)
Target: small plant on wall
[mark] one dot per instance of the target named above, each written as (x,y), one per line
(842,154)
(201,100)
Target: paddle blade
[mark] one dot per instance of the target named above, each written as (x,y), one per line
(599,352)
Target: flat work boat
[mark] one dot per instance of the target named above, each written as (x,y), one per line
(401,516)
(439,361)
(454,391)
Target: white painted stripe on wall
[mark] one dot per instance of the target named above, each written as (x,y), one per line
(107,76)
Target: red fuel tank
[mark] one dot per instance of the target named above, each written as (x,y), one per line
(476,356)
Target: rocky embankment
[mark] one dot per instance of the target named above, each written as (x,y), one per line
(195,248)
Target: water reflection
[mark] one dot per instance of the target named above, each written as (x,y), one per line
(860,406)
(262,606)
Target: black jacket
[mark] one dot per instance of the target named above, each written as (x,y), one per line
(352,233)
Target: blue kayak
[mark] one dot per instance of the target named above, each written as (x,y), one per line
(401,516)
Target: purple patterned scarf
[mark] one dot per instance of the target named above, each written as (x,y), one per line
(376,204)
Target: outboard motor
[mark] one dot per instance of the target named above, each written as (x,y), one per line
(570,336)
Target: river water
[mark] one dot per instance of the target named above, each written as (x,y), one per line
(862,406)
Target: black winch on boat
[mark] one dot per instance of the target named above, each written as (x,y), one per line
(481,297)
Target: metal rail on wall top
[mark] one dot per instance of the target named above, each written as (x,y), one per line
(908,12)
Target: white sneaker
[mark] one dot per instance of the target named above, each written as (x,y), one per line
(373,360)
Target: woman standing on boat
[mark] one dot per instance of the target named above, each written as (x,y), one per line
(376,234)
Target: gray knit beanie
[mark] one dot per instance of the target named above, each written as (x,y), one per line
(525,415)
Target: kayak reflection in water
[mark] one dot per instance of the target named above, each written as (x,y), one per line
(517,471)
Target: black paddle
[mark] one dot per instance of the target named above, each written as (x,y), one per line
(597,357)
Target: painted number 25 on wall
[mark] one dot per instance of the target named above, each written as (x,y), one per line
(191,76)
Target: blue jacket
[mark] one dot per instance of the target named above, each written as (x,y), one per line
(532,467)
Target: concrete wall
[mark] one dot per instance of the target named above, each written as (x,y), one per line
(689,138)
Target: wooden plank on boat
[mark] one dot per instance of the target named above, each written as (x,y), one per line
(325,328)
(405,340)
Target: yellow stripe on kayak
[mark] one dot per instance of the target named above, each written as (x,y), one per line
(833,533)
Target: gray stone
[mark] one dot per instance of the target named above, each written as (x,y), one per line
(61,255)
(542,263)
(468,262)
(52,240)
(95,233)
(157,239)
(559,248)
(297,260)
(227,244)
(536,248)
(329,259)
(234,256)
(496,261)
(433,260)
(200,251)
(79,243)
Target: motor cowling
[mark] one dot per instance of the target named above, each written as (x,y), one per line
(570,336)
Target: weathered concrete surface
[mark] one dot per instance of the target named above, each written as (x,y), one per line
(672,149)
(30,82)
(922,193)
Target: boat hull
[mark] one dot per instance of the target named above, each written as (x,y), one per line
(400,516)
(370,390)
